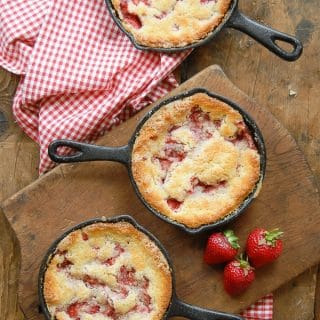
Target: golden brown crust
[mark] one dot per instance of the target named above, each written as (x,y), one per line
(207,172)
(111,262)
(171,23)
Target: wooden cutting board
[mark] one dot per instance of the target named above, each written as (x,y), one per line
(70,194)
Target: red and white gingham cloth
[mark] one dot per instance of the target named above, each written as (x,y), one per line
(80,76)
(261,310)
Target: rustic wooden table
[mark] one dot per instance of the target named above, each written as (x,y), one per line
(289,90)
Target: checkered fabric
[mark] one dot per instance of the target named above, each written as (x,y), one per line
(80,75)
(261,310)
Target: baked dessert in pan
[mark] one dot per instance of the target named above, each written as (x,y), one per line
(112,268)
(195,160)
(170,23)
(107,271)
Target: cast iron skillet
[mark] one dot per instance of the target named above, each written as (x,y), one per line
(176,306)
(236,20)
(88,152)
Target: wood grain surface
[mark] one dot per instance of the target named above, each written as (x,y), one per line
(18,168)
(70,194)
(252,68)
(289,91)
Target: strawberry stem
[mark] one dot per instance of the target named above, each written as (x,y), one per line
(272,236)
(244,263)
(232,238)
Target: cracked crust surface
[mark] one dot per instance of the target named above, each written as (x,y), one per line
(195,160)
(107,271)
(170,23)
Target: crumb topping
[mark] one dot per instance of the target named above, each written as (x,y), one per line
(170,23)
(195,160)
(107,271)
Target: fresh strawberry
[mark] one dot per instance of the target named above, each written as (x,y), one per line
(221,247)
(237,276)
(263,246)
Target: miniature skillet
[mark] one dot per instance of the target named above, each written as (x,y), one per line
(235,19)
(123,154)
(176,306)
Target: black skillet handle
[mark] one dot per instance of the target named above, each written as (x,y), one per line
(182,309)
(266,36)
(87,152)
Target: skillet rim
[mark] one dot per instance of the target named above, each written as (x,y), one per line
(255,133)
(224,23)
(114,219)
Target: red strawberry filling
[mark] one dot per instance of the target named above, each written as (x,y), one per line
(199,123)
(174,153)
(197,185)
(85,236)
(118,250)
(164,163)
(91,281)
(146,300)
(174,150)
(109,311)
(173,128)
(144,283)
(110,261)
(61,253)
(174,204)
(124,292)
(207,1)
(64,264)
(197,116)
(130,18)
(161,15)
(217,123)
(127,276)
(76,308)
(93,309)
(141,308)
(243,134)
(146,2)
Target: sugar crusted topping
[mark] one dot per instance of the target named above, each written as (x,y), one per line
(101,277)
(199,160)
(170,23)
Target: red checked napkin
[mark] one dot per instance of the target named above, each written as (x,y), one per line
(80,76)
(261,310)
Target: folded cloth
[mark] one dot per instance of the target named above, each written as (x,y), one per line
(80,75)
